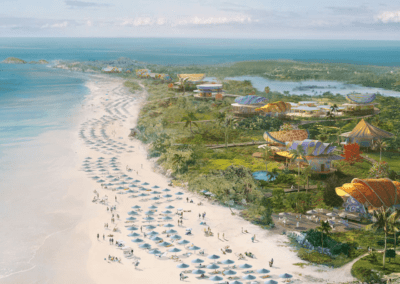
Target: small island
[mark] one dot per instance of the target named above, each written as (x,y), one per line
(41,61)
(14,60)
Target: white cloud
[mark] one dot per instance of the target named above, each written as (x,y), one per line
(161,21)
(389,17)
(56,25)
(217,20)
(89,23)
(141,21)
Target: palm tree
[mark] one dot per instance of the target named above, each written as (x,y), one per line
(229,120)
(382,222)
(298,155)
(324,135)
(220,117)
(381,145)
(334,108)
(182,82)
(189,119)
(178,160)
(324,228)
(267,153)
(394,225)
(307,171)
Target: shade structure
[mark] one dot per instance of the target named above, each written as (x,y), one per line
(132,229)
(372,192)
(133,213)
(174,250)
(136,180)
(213,256)
(215,278)
(132,185)
(183,242)
(166,189)
(145,183)
(281,137)
(262,271)
(183,265)
(197,260)
(171,231)
(270,281)
(143,194)
(285,275)
(193,248)
(155,192)
(101,180)
(148,218)
(154,198)
(95,177)
(364,130)
(131,218)
(176,237)
(235,282)
(153,233)
(230,272)
(156,239)
(150,227)
(249,277)
(156,186)
(228,261)
(149,213)
(167,195)
(137,240)
(146,246)
(120,187)
(245,265)
(166,218)
(168,225)
(166,212)
(164,244)
(134,235)
(109,176)
(198,271)
(179,193)
(155,251)
(136,207)
(213,266)
(131,191)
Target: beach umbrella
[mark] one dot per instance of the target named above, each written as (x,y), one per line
(285,275)
(168,225)
(109,184)
(176,237)
(155,192)
(249,277)
(145,183)
(166,218)
(153,233)
(134,235)
(213,256)
(156,239)
(216,278)
(156,186)
(179,193)
(155,251)
(270,281)
(115,179)
(230,272)
(129,178)
(136,180)
(88,158)
(132,228)
(123,182)
(109,176)
(193,248)
(101,158)
(152,207)
(136,207)
(142,189)
(166,212)
(164,244)
(148,218)
(166,189)
(149,212)
(171,231)
(132,185)
(131,191)
(183,265)
(100,167)
(174,250)
(197,260)
(115,169)
(133,213)
(137,240)
(143,194)
(213,266)
(198,271)
(228,261)
(150,227)
(145,246)
(183,242)
(262,271)
(167,195)
(154,198)
(124,176)
(102,170)
(235,282)
(131,218)
(169,207)
(245,266)
(95,177)
(120,187)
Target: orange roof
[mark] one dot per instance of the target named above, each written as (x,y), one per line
(375,192)
(276,107)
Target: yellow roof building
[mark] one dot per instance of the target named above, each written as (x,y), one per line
(192,77)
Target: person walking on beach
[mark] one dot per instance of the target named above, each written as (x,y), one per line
(104,238)
(98,236)
(187,199)
(199,216)
(115,198)
(252,239)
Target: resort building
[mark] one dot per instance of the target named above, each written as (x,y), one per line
(360,104)
(111,70)
(365,134)
(319,155)
(142,73)
(372,193)
(192,77)
(311,108)
(246,105)
(276,109)
(209,91)
(280,138)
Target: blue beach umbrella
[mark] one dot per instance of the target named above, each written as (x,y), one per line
(262,271)
(101,158)
(167,195)
(197,260)
(176,237)
(156,239)
(198,271)
(137,240)
(213,256)
(174,250)
(230,272)
(145,246)
(245,266)
(156,186)
(166,212)
(271,282)
(109,184)
(131,191)
(124,176)
(193,248)
(183,265)
(101,180)
(155,192)
(115,179)
(166,218)
(153,233)
(171,231)
(132,228)
(95,177)
(136,180)
(179,193)
(129,178)
(145,183)
(132,185)
(235,282)
(131,218)
(133,213)
(216,278)
(164,244)
(285,275)
(228,261)
(123,182)
(143,194)
(169,207)
(155,251)
(120,187)
(183,242)
(148,219)
(166,189)
(88,171)
(213,266)
(136,207)
(134,235)
(168,225)
(152,207)
(150,227)
(154,198)
(249,277)
(109,176)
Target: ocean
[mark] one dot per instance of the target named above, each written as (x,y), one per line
(39,107)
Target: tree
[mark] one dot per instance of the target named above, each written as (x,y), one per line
(324,228)
(298,155)
(229,120)
(182,82)
(324,135)
(334,108)
(394,225)
(267,153)
(220,117)
(307,171)
(178,160)
(267,205)
(189,119)
(382,223)
(381,145)
(267,90)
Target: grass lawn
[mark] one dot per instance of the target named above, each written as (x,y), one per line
(393,159)
(373,262)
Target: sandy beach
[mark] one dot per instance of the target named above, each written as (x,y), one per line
(105,155)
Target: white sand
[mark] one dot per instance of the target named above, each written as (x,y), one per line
(79,256)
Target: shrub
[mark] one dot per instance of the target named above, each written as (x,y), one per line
(260,123)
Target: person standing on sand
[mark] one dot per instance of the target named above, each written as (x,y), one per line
(115,198)
(104,238)
(187,199)
(98,236)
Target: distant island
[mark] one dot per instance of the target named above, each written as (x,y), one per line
(14,60)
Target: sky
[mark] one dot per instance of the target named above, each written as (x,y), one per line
(259,19)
